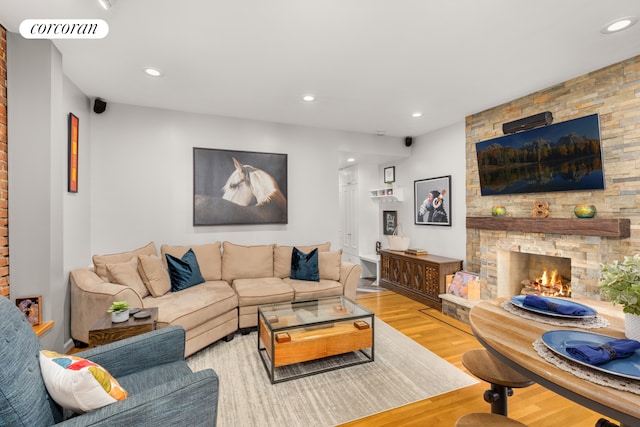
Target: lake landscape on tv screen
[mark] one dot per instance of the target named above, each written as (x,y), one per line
(564,156)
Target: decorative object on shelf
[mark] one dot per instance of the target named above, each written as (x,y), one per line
(31,307)
(254,187)
(416,251)
(398,241)
(119,311)
(498,211)
(620,284)
(465,284)
(432,198)
(585,211)
(389,222)
(540,209)
(390,174)
(378,247)
(74,123)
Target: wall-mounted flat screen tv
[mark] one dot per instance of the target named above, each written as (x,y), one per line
(564,156)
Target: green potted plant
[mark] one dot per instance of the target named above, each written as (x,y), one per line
(119,311)
(620,284)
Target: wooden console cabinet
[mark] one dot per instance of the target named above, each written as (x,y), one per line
(421,278)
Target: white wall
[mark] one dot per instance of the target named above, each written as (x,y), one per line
(36,153)
(435,154)
(142,177)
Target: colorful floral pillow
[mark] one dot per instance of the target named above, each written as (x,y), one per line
(78,384)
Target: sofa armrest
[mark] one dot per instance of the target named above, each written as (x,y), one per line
(137,353)
(349,277)
(91,297)
(190,401)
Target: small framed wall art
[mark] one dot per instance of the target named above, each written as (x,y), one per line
(389,222)
(74,124)
(31,307)
(390,174)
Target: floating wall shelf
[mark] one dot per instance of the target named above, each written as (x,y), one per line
(388,194)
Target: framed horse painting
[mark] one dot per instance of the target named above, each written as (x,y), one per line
(239,187)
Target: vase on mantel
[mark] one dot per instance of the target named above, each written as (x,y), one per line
(632,326)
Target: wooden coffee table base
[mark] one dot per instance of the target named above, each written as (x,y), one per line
(301,338)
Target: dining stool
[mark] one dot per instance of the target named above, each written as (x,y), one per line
(502,378)
(486,419)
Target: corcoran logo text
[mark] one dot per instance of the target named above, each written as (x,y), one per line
(64,29)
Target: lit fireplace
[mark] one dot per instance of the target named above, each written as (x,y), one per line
(551,285)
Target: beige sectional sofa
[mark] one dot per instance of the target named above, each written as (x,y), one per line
(237,280)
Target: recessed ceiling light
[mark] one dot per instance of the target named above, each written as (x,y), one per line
(416,114)
(619,24)
(308,98)
(380,133)
(153,72)
(351,160)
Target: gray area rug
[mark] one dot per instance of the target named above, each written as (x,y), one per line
(403,372)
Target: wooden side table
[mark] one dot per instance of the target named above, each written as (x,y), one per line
(104,331)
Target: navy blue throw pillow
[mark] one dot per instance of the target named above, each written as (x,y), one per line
(305,266)
(184,272)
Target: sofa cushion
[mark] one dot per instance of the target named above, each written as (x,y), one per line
(194,306)
(154,275)
(208,256)
(126,274)
(184,272)
(78,384)
(262,291)
(305,289)
(329,264)
(246,262)
(304,266)
(282,257)
(100,261)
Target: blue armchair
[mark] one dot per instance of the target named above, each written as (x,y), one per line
(162,388)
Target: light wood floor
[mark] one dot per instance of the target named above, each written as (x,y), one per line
(449,338)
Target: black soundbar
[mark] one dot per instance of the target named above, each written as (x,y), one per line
(537,120)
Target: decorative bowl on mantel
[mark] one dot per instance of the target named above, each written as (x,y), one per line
(585,211)
(498,211)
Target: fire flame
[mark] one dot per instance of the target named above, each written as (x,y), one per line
(550,285)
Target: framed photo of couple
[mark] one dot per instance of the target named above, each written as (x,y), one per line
(432,198)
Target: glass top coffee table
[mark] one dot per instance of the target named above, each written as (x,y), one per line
(303,338)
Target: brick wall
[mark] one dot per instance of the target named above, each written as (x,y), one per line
(612,92)
(4,175)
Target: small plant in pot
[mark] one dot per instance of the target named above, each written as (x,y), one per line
(119,311)
(620,284)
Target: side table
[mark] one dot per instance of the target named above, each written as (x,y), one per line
(104,331)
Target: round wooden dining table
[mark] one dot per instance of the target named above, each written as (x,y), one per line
(510,338)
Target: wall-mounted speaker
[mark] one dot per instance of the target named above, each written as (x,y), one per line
(531,122)
(99,106)
(408,141)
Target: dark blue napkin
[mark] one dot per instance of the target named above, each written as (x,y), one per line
(597,355)
(562,308)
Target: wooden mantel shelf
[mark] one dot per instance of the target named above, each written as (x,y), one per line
(603,227)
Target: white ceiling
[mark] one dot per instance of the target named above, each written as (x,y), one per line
(371,63)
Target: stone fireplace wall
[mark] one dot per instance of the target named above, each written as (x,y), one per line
(613,93)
